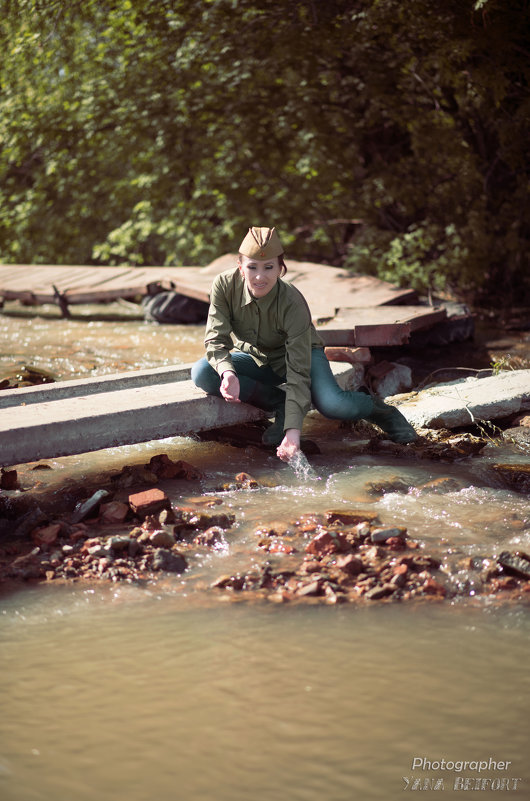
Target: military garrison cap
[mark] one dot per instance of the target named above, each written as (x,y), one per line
(261,243)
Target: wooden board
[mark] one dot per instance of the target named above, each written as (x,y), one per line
(378,326)
(325,288)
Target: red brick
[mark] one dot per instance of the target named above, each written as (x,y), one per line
(149,502)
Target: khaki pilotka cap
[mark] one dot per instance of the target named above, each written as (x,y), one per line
(261,243)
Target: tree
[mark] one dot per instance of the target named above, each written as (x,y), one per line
(388,137)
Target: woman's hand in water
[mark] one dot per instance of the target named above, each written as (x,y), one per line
(230,387)
(289,445)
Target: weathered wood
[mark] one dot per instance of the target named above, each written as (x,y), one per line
(378,326)
(325,288)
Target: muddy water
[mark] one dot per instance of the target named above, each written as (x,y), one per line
(167,691)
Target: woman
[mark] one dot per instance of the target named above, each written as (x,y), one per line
(259,335)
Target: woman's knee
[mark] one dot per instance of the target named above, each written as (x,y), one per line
(204,376)
(340,404)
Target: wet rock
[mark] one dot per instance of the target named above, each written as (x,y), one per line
(97,551)
(162,539)
(149,502)
(203,520)
(350,564)
(118,544)
(507,583)
(27,566)
(310,566)
(313,588)
(419,563)
(276,545)
(163,467)
(399,578)
(169,561)
(114,511)
(236,582)
(380,591)
(213,537)
(432,587)
(350,517)
(374,553)
(89,507)
(46,535)
(395,484)
(380,535)
(277,528)
(440,485)
(327,542)
(29,521)
(308,523)
(134,474)
(517,564)
(246,481)
(517,476)
(9,479)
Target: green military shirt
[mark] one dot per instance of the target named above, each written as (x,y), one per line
(275,330)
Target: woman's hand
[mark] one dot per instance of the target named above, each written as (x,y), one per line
(230,387)
(289,445)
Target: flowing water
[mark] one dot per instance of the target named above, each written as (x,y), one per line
(166,691)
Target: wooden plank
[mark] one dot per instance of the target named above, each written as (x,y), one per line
(378,326)
(325,288)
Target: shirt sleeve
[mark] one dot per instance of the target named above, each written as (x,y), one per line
(298,364)
(217,339)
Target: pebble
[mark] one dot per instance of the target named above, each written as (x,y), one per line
(379,591)
(162,539)
(168,561)
(379,535)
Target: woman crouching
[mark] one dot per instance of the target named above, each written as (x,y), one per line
(259,335)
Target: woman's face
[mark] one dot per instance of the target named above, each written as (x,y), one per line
(260,276)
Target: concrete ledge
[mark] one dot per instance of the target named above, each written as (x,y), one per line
(467,401)
(90,386)
(80,416)
(104,420)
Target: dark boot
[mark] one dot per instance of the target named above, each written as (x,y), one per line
(273,435)
(392,422)
(270,399)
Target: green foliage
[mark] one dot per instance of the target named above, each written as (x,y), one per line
(388,137)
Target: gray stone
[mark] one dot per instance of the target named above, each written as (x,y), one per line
(169,561)
(119,543)
(470,400)
(29,521)
(84,508)
(515,563)
(397,379)
(383,534)
(162,539)
(380,591)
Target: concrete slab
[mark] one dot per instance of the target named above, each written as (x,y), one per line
(77,417)
(106,419)
(91,386)
(466,401)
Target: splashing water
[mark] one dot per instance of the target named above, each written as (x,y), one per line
(302,468)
